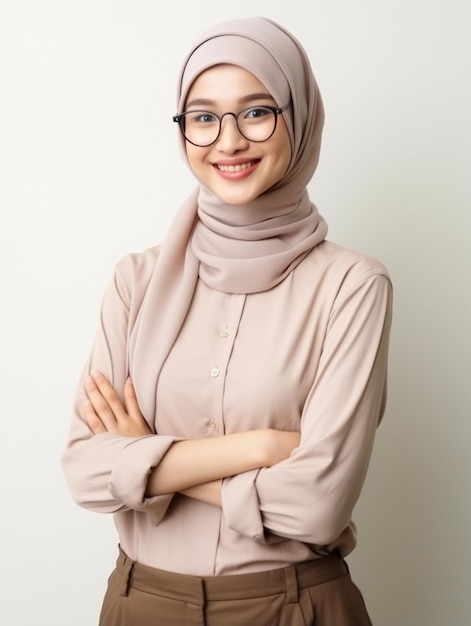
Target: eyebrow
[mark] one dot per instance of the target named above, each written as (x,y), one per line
(244,100)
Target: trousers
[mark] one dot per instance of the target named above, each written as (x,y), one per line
(312,593)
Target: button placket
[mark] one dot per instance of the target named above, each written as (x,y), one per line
(230,310)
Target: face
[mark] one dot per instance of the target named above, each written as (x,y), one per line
(235,169)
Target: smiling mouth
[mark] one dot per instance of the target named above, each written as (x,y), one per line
(240,167)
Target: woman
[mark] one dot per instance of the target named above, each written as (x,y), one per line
(228,410)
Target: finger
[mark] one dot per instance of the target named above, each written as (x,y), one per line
(130,401)
(94,422)
(141,427)
(109,395)
(100,404)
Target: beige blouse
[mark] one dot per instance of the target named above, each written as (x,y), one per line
(309,354)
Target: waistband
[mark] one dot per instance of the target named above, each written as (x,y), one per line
(200,590)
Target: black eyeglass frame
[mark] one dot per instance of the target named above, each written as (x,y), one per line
(179,118)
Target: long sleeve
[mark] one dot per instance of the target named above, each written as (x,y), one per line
(310,496)
(106,472)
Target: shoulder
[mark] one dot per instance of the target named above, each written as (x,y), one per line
(334,274)
(343,265)
(133,272)
(143,261)
(346,260)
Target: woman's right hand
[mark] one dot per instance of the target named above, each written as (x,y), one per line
(278,445)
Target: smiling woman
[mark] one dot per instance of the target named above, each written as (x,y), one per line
(228,410)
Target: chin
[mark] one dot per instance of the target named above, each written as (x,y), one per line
(235,199)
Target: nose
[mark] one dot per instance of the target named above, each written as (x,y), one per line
(230,139)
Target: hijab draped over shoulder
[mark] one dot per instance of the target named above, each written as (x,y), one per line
(239,249)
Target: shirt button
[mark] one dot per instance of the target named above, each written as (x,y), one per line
(224,332)
(212,425)
(214,372)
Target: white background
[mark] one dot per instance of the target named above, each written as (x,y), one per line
(90,170)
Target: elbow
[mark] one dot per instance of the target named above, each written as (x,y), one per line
(322,529)
(317,523)
(87,499)
(85,489)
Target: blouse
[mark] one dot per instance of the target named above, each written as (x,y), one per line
(309,354)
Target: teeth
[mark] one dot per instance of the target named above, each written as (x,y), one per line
(235,168)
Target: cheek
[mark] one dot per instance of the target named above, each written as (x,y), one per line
(283,161)
(193,154)
(189,153)
(286,157)
(283,148)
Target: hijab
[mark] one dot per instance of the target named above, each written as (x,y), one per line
(241,249)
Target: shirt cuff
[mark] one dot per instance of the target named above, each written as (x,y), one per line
(240,505)
(129,476)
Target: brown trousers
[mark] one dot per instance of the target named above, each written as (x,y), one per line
(313,593)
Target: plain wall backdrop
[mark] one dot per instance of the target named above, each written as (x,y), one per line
(90,170)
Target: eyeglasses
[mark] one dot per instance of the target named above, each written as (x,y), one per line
(202,128)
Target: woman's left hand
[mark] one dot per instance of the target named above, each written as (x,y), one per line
(104,411)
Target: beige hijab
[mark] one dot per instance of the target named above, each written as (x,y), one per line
(235,249)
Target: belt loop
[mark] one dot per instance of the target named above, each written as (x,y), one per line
(291,582)
(125,572)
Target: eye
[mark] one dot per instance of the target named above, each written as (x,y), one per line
(201,117)
(257,113)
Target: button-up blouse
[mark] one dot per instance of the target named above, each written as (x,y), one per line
(309,354)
